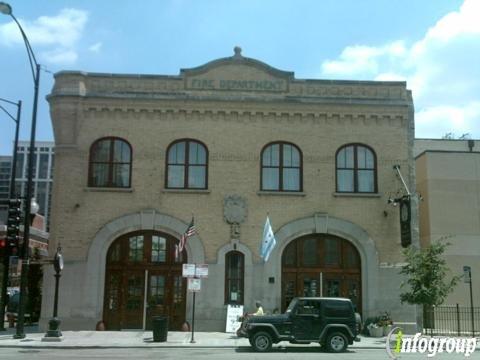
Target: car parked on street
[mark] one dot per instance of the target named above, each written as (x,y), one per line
(12,308)
(329,321)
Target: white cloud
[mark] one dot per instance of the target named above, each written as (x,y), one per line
(366,60)
(55,36)
(95,47)
(441,69)
(457,23)
(389,76)
(445,119)
(60,56)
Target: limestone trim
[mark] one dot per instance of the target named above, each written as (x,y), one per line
(281,193)
(185,191)
(322,223)
(340,116)
(148,219)
(235,246)
(360,195)
(238,59)
(108,189)
(71,83)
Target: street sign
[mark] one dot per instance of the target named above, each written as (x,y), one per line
(201,271)
(467,271)
(193,270)
(194,284)
(188,270)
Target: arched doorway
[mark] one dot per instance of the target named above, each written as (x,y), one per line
(321,265)
(143,278)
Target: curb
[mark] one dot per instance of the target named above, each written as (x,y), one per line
(78,347)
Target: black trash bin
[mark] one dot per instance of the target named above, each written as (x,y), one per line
(160,328)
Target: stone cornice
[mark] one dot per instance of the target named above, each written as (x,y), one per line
(340,115)
(234,78)
(157,88)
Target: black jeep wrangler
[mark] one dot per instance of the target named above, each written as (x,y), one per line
(328,321)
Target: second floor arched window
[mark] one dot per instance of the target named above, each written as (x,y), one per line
(356,169)
(110,163)
(281,164)
(187,165)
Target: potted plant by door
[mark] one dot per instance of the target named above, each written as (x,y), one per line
(386,323)
(374,330)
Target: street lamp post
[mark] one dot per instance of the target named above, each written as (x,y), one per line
(35,68)
(6,260)
(54,332)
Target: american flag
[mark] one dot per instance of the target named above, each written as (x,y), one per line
(183,240)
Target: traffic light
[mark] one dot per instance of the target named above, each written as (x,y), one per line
(3,248)
(13,224)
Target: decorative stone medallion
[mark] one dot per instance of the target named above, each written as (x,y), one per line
(234,209)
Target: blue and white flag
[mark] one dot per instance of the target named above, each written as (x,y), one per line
(268,241)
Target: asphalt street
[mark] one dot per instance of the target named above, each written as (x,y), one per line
(242,353)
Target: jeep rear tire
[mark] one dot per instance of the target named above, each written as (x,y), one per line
(336,342)
(261,341)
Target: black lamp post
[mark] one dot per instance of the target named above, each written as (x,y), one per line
(35,68)
(54,323)
(6,260)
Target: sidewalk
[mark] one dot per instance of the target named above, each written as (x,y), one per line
(144,339)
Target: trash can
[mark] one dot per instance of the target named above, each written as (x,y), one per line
(160,328)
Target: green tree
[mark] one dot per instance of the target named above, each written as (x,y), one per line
(426,274)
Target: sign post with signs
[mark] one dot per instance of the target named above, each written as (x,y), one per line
(194,273)
(467,278)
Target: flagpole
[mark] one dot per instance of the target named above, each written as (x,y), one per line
(192,341)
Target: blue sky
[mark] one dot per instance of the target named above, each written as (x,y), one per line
(433,44)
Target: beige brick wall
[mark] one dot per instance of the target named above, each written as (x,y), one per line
(234,140)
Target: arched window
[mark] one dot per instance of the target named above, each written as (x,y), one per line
(110,163)
(281,167)
(187,165)
(356,168)
(234,277)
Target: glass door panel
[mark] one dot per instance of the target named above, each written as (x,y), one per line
(157,303)
(113,294)
(332,287)
(352,290)
(289,289)
(177,309)
(133,300)
(309,284)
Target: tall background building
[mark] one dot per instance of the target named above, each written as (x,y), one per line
(5,170)
(42,176)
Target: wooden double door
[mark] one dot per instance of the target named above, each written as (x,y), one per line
(134,297)
(143,279)
(321,265)
(327,284)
